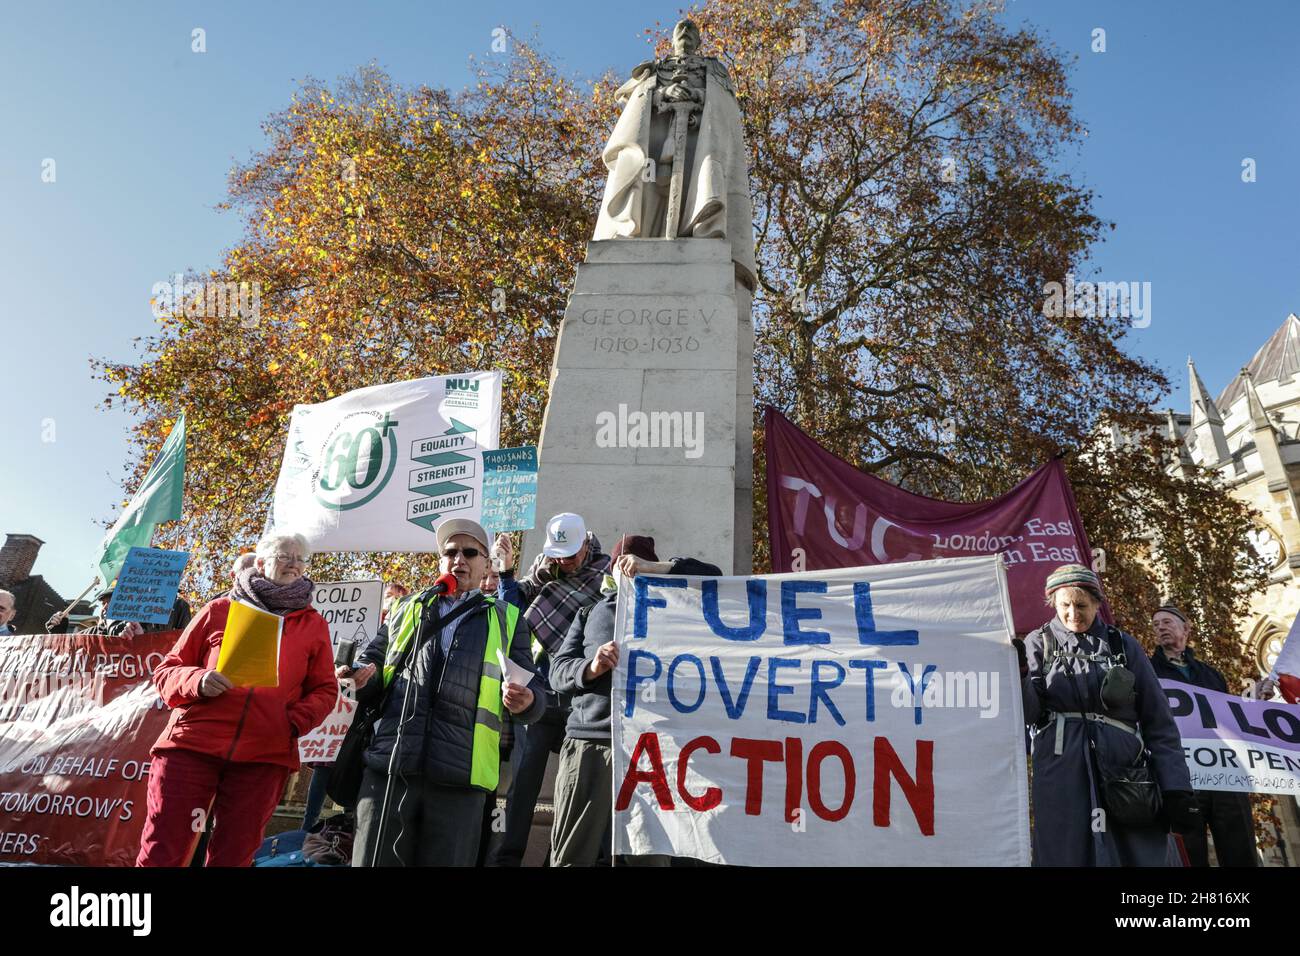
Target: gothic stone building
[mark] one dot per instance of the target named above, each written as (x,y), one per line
(1251,436)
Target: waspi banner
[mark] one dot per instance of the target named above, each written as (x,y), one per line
(1246,746)
(379,468)
(864,716)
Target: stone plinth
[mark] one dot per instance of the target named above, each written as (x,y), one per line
(641,433)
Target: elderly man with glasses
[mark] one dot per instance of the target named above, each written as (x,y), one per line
(7,612)
(434,670)
(1227,814)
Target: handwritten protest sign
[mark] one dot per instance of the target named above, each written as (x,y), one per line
(510,489)
(146,585)
(864,716)
(322,744)
(1234,744)
(351,609)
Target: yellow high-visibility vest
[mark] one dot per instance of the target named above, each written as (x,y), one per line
(485,761)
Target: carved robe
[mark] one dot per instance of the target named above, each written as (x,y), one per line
(716,202)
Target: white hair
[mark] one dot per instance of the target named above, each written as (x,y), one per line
(270,545)
(245,560)
(9,595)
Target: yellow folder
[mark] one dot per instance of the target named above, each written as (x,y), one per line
(250,647)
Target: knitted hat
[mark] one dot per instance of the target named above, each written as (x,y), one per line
(641,546)
(1170,609)
(1074,576)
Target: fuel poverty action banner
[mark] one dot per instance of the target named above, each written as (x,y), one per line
(864,716)
(379,468)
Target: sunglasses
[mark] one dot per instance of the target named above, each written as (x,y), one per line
(468,552)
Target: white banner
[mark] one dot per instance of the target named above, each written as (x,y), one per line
(863,716)
(379,468)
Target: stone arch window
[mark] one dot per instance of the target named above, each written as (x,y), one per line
(1267,543)
(1265,643)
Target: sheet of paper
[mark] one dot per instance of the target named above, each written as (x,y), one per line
(513,672)
(250,646)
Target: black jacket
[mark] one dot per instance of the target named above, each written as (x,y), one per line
(1202,674)
(438,736)
(594,626)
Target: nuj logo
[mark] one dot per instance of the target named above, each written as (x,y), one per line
(462,385)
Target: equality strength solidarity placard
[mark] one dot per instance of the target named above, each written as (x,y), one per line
(864,716)
(378,469)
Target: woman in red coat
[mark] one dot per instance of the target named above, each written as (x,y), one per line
(229,750)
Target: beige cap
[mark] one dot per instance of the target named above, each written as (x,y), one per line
(454,526)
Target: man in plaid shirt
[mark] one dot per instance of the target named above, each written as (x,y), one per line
(565,578)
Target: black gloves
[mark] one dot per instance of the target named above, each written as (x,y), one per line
(1182,811)
(1019,645)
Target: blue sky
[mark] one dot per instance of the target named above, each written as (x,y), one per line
(144,132)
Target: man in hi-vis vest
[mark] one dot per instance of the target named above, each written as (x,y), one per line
(435,755)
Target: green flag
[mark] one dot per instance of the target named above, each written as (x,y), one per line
(157,500)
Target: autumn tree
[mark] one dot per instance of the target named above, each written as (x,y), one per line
(910,213)
(393,234)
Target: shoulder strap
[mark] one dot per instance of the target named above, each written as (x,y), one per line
(1116,641)
(507,636)
(1049,647)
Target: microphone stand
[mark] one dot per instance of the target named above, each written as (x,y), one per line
(420,636)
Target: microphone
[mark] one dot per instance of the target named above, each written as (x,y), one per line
(446,584)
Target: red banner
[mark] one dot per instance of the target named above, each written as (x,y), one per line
(824,513)
(78,715)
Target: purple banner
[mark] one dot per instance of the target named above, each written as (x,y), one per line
(1231,743)
(824,513)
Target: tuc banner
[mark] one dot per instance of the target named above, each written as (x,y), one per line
(1231,743)
(824,513)
(864,716)
(378,469)
(78,715)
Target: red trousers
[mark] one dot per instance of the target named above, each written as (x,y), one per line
(184,786)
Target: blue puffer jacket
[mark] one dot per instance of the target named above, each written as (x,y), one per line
(438,735)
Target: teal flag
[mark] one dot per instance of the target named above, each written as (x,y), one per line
(157,500)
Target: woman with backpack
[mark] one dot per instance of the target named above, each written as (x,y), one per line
(1109,775)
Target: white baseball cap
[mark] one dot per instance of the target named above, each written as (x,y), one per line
(565,535)
(454,526)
